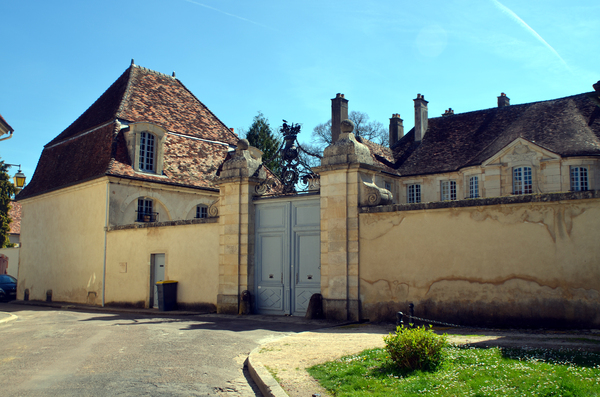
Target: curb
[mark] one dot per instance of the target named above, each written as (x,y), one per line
(11,317)
(268,386)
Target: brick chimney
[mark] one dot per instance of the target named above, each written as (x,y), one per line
(420,117)
(339,112)
(503,100)
(396,129)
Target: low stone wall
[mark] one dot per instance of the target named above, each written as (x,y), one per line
(528,261)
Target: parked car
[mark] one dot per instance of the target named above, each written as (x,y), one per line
(8,287)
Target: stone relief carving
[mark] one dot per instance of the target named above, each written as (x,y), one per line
(371,195)
(213,209)
(521,153)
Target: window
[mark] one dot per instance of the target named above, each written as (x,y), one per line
(579,178)
(474,187)
(413,193)
(448,190)
(144,211)
(522,180)
(388,186)
(201,211)
(147,146)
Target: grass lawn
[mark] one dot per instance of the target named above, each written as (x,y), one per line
(467,371)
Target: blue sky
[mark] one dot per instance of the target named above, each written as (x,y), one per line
(288,59)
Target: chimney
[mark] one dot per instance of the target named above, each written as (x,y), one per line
(448,112)
(420,117)
(339,112)
(503,100)
(396,129)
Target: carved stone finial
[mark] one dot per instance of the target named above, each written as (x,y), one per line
(243,144)
(347,126)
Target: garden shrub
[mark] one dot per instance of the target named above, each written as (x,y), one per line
(416,348)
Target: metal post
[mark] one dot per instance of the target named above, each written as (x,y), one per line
(399,316)
(411,310)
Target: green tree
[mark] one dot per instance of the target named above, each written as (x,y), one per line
(7,190)
(261,136)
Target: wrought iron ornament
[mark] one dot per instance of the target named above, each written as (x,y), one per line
(296,175)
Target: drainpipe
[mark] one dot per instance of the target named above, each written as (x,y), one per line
(105,237)
(10,135)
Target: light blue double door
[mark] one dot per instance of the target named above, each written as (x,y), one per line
(288,255)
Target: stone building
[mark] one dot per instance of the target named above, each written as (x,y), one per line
(481,218)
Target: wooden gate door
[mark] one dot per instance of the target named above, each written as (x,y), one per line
(288,255)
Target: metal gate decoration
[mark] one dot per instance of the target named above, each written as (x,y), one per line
(296,175)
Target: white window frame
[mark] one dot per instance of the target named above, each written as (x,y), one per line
(448,190)
(147,152)
(474,186)
(520,177)
(579,177)
(201,211)
(413,193)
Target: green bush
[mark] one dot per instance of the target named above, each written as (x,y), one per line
(416,348)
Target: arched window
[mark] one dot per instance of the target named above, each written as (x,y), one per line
(522,181)
(147,150)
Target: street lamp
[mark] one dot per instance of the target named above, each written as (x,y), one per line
(19,178)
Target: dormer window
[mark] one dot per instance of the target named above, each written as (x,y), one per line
(145,144)
(147,151)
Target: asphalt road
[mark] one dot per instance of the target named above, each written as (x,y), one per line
(53,352)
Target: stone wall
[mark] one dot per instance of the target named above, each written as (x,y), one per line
(511,261)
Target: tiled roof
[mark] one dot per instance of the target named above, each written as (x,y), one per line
(7,126)
(93,145)
(14,213)
(567,126)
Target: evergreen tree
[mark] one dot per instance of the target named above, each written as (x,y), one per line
(262,137)
(7,189)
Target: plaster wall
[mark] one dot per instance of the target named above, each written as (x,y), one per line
(62,244)
(13,260)
(171,202)
(191,258)
(527,264)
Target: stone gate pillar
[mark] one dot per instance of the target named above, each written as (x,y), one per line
(237,182)
(346,174)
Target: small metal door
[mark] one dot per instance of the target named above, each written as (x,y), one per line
(288,255)
(157,273)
